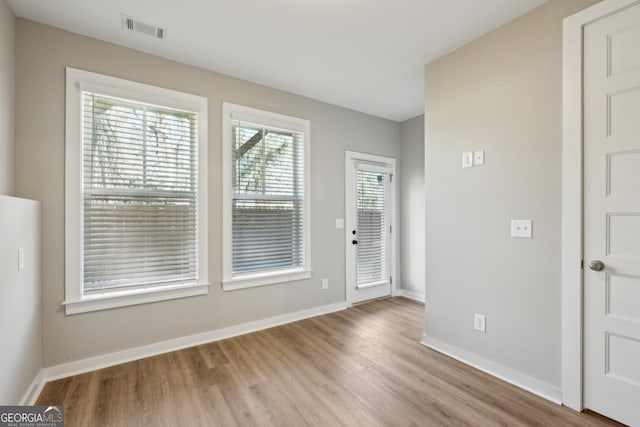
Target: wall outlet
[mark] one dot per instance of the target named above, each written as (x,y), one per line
(339,223)
(478,158)
(21,259)
(522,228)
(479,322)
(325,283)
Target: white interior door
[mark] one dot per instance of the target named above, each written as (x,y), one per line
(369,230)
(612,216)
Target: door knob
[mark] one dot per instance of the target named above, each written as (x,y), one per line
(596,265)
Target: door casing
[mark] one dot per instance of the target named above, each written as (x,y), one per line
(572,197)
(349,174)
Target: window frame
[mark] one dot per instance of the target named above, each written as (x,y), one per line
(268,119)
(76,299)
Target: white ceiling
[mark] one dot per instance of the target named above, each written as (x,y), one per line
(367,55)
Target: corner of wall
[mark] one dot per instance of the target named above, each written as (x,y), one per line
(412,220)
(20,299)
(7,102)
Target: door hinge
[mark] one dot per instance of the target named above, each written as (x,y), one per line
(391,229)
(390,177)
(581,264)
(390,280)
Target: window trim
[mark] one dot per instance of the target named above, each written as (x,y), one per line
(76,299)
(249,280)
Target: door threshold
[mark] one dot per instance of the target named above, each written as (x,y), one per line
(370,300)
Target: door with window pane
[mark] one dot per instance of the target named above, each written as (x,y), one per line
(370,231)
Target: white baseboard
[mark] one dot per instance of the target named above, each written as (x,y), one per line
(537,387)
(33,391)
(98,362)
(416,296)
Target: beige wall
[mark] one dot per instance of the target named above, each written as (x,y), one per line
(7,99)
(20,296)
(501,93)
(412,238)
(42,55)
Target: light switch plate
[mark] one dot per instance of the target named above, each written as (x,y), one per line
(339,223)
(522,228)
(467,159)
(480,322)
(478,158)
(21,259)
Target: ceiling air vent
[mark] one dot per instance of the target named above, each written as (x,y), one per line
(128,23)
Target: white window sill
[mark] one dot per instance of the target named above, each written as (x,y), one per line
(263,279)
(114,299)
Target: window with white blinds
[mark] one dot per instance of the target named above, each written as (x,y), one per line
(139,201)
(373,265)
(139,193)
(268,196)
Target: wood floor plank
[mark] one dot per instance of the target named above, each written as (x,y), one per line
(359,367)
(291,371)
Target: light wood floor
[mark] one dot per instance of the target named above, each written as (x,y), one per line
(359,367)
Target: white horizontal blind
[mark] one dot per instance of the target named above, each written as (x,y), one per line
(139,193)
(268,198)
(373,249)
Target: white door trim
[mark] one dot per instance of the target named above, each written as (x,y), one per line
(349,159)
(572,197)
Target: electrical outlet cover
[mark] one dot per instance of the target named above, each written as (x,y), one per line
(478,158)
(522,228)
